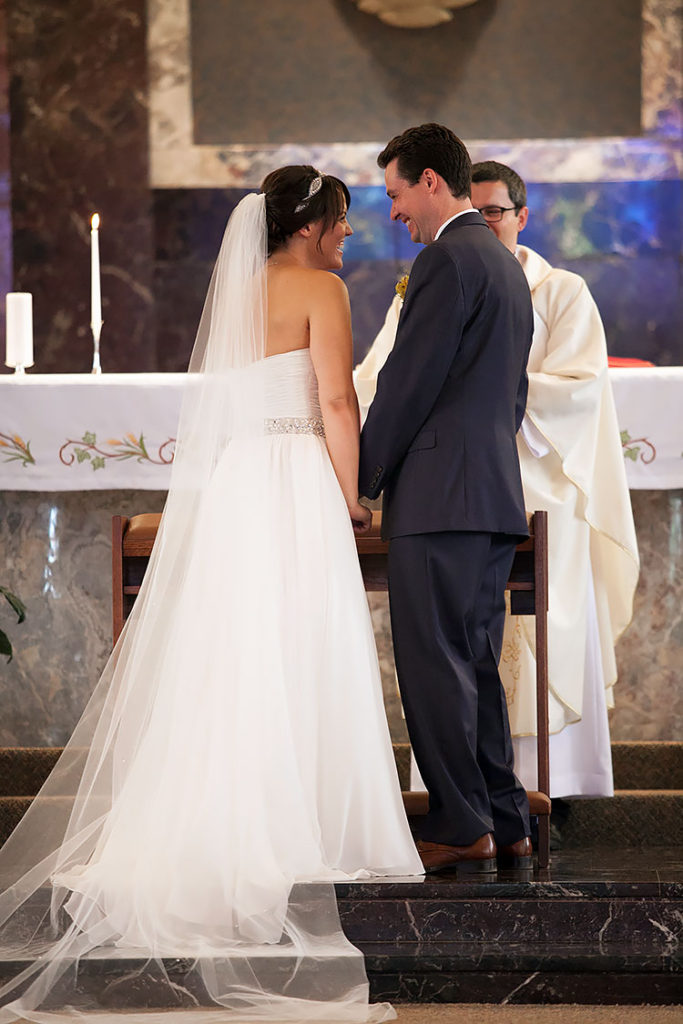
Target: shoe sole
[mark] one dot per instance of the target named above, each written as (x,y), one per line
(466,867)
(516,862)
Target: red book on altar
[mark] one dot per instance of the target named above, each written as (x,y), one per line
(620,361)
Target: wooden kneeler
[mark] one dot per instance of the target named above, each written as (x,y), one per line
(133,539)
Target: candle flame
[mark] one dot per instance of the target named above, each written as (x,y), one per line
(95,221)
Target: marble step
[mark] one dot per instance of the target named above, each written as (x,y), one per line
(591,930)
(452,974)
(408,973)
(509,910)
(596,934)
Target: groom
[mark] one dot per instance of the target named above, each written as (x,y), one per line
(439,440)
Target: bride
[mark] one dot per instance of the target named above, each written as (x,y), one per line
(234,760)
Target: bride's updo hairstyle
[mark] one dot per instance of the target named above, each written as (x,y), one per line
(298,195)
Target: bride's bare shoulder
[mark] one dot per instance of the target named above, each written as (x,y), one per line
(312,281)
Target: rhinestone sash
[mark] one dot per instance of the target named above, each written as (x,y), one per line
(295,425)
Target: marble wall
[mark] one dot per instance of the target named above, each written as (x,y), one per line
(649,695)
(607,206)
(78,145)
(56,556)
(325,71)
(131,108)
(624,237)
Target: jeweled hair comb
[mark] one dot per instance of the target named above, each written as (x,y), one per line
(313,189)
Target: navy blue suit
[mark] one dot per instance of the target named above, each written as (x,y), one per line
(439,441)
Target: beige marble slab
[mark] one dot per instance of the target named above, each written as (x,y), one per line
(56,556)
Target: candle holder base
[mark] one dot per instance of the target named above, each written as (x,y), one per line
(19,370)
(96,328)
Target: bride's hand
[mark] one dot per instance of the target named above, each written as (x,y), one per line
(361,518)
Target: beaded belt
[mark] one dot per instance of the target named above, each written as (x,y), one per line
(295,425)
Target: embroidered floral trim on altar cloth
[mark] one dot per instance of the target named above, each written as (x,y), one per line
(128,447)
(632,448)
(295,425)
(114,431)
(15,449)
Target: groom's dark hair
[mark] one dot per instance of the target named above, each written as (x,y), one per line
(430,145)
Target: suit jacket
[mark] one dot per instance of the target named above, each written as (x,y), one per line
(440,435)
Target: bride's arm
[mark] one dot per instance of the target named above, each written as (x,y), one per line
(332,356)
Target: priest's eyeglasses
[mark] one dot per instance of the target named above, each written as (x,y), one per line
(495,213)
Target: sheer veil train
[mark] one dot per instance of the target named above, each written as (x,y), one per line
(148,770)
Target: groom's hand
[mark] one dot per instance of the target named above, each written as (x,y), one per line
(361,518)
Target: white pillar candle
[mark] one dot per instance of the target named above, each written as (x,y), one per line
(95,291)
(19,321)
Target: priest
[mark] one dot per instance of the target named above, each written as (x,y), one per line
(572,465)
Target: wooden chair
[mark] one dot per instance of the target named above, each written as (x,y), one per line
(132,541)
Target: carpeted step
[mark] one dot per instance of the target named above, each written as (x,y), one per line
(647,816)
(23,770)
(648,765)
(637,817)
(637,765)
(12,810)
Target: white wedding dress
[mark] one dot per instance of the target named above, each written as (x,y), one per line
(290,777)
(259,758)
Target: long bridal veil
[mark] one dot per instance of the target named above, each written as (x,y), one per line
(149,876)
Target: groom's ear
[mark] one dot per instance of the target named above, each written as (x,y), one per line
(430,179)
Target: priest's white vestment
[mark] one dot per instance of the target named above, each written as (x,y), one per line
(572,465)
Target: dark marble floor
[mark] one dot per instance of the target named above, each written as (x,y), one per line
(599,926)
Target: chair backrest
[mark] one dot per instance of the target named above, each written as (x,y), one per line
(132,541)
(528,586)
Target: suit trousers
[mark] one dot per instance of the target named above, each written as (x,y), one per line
(447,598)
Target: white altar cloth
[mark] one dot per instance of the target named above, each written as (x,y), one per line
(78,432)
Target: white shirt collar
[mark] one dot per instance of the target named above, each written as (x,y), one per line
(450,219)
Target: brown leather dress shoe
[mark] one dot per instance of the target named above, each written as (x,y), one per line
(477,858)
(517,855)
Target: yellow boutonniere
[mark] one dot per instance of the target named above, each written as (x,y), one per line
(401,286)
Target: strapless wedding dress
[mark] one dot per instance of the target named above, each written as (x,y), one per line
(267,758)
(246,755)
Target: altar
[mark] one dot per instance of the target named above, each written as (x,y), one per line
(82,432)
(77,449)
